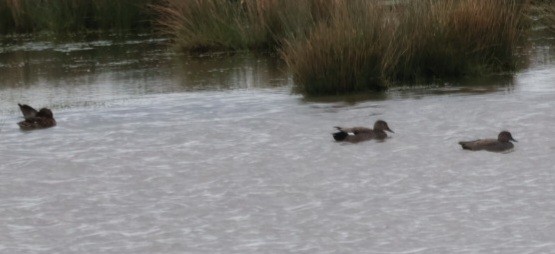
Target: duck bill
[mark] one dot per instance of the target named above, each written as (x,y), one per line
(388,129)
(512,139)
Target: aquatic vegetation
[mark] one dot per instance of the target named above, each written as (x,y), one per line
(201,25)
(69,16)
(457,38)
(368,45)
(345,54)
(330,46)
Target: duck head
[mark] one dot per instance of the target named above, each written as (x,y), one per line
(382,126)
(505,136)
(46,113)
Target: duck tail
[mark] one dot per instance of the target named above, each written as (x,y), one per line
(27,111)
(464,145)
(340,136)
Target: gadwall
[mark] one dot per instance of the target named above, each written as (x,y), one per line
(36,119)
(362,133)
(502,143)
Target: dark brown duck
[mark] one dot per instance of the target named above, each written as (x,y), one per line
(501,144)
(36,119)
(358,134)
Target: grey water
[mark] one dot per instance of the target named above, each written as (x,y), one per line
(157,152)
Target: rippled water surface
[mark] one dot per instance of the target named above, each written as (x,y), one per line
(158,153)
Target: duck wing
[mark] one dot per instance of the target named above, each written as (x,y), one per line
(479,144)
(354,130)
(27,111)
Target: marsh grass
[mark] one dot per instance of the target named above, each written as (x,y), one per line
(204,25)
(73,16)
(330,46)
(369,46)
(456,38)
(344,54)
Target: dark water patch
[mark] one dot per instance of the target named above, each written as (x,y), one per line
(85,73)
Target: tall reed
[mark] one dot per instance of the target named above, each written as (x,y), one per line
(70,16)
(368,45)
(450,38)
(200,25)
(345,54)
(237,24)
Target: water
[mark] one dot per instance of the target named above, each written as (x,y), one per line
(215,155)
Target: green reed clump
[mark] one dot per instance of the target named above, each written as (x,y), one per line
(452,38)
(200,25)
(368,45)
(71,16)
(345,54)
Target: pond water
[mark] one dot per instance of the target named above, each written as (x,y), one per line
(161,153)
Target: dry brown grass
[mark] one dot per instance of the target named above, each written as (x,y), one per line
(368,46)
(201,25)
(457,38)
(344,54)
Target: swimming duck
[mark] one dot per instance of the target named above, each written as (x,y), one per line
(36,119)
(362,133)
(502,143)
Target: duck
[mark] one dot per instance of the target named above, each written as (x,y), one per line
(501,144)
(358,134)
(44,118)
